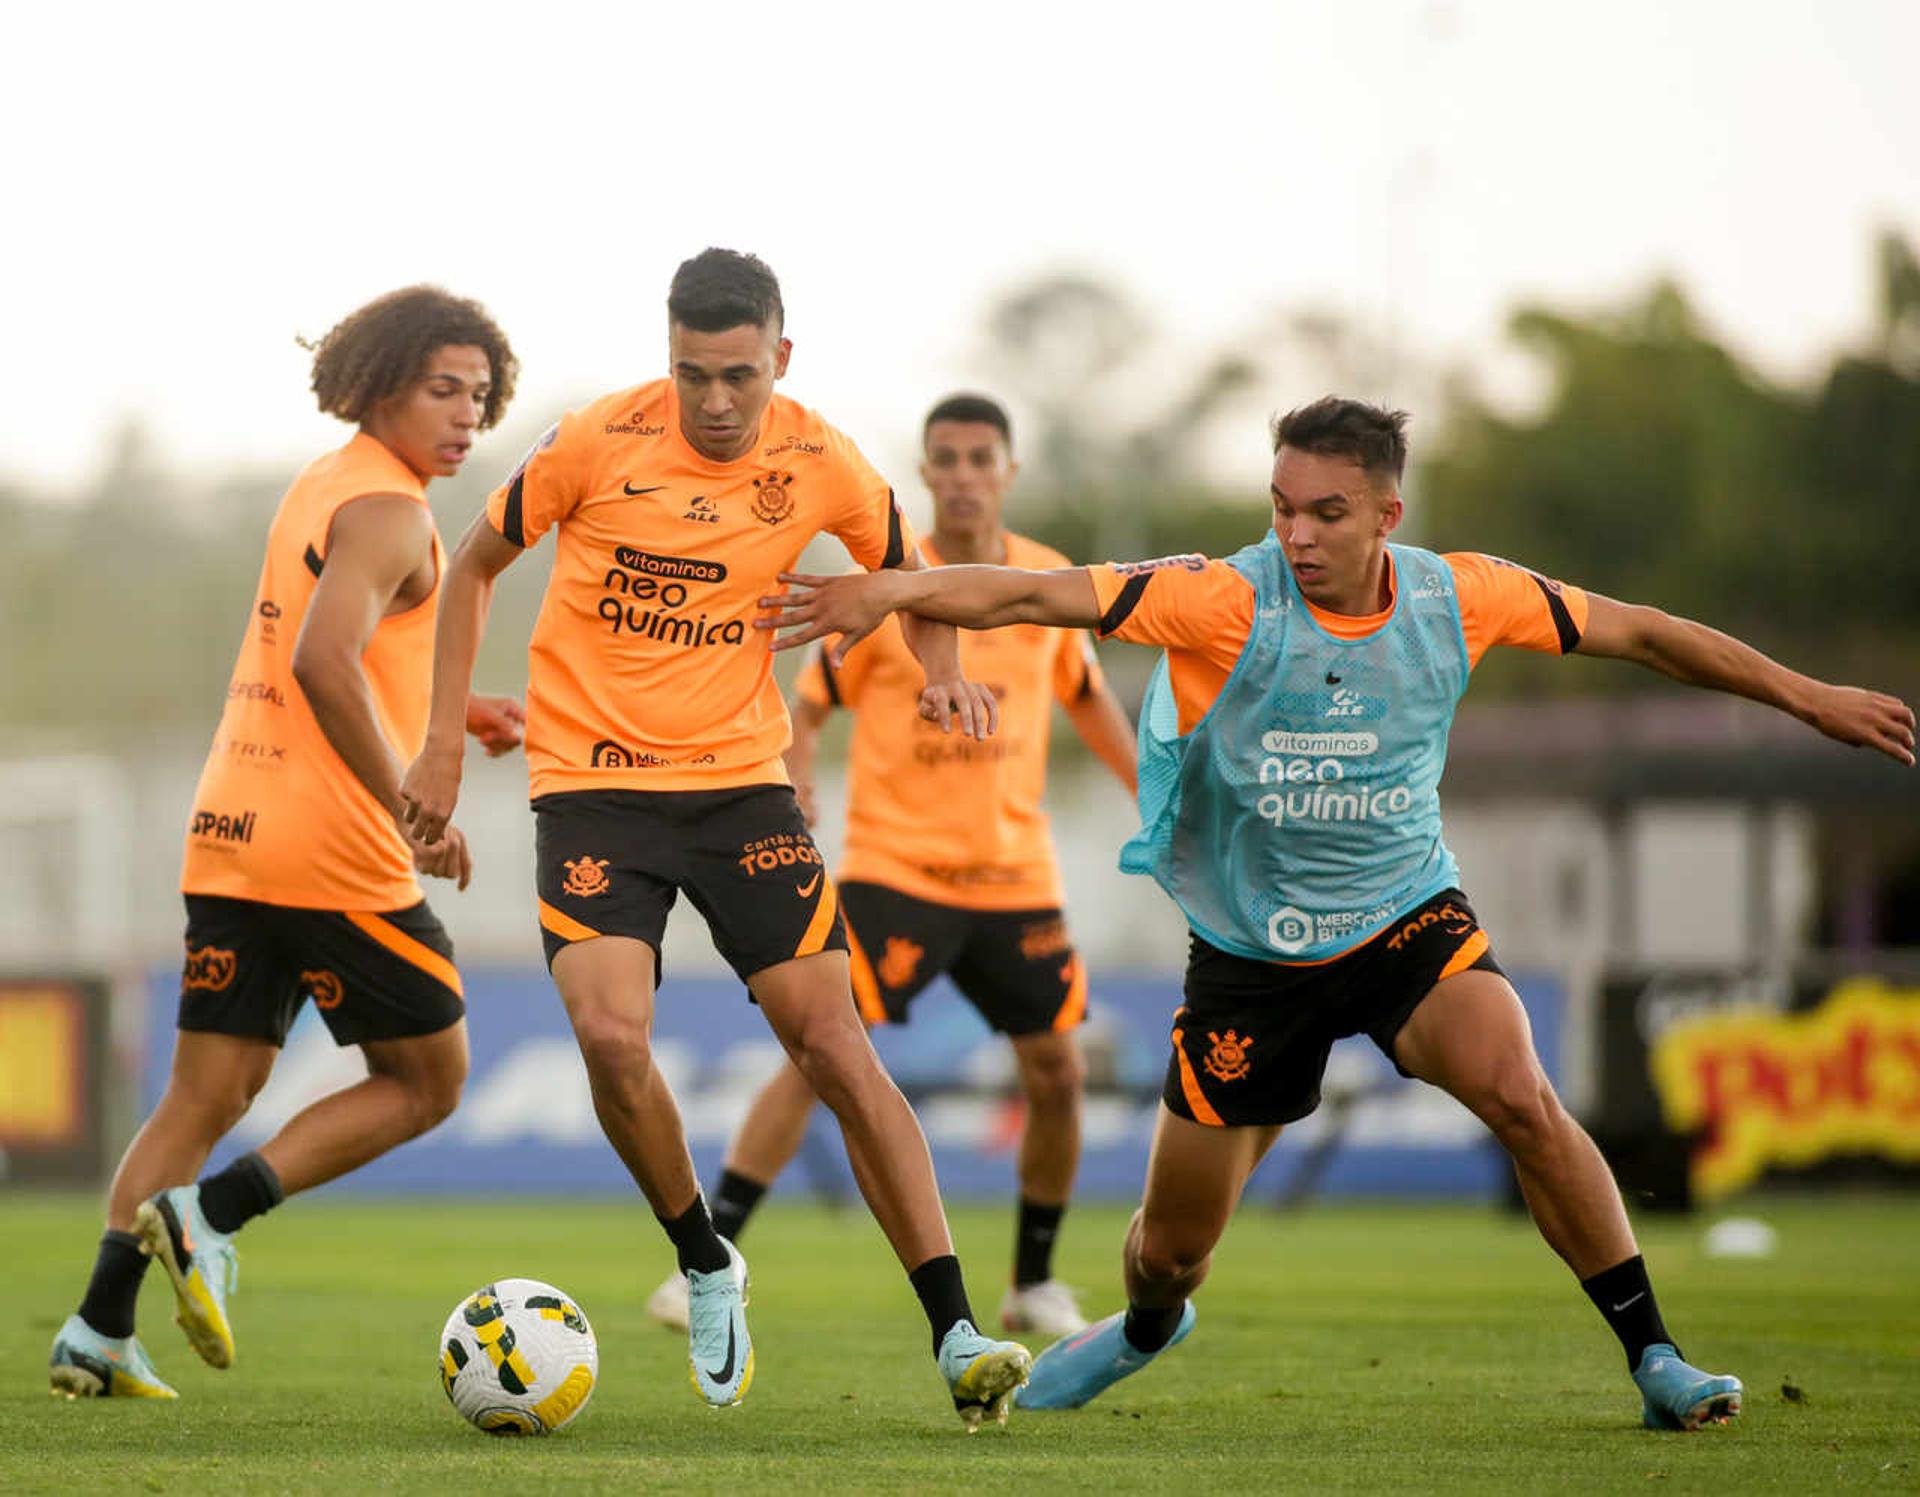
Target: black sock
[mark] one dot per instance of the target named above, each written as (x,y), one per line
(733,1203)
(943,1295)
(1149,1330)
(243,1190)
(114,1288)
(1033,1242)
(699,1247)
(1624,1297)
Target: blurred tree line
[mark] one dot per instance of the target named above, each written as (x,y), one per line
(1656,467)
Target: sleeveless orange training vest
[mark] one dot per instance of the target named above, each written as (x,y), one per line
(278,816)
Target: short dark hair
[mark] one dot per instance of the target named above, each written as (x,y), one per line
(1370,435)
(721,288)
(965,407)
(378,351)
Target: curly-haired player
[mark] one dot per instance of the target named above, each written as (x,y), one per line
(300,881)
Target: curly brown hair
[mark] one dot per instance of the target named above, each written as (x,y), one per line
(380,350)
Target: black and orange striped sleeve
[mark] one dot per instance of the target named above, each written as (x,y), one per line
(1505,604)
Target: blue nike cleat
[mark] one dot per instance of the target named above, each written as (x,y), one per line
(202,1263)
(719,1351)
(1081,1368)
(86,1364)
(981,1373)
(1681,1397)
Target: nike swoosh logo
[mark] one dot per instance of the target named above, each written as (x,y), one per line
(725,1374)
(1625,1302)
(653,489)
(805,891)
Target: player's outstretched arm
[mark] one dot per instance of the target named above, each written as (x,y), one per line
(1701,656)
(948,695)
(1102,724)
(973,597)
(431,788)
(809,718)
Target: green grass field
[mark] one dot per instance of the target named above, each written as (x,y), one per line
(1343,1347)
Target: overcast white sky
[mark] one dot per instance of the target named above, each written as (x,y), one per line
(187,186)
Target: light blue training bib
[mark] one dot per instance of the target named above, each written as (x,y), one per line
(1302,812)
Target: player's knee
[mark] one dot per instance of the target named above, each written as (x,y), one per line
(436,1095)
(613,1042)
(1053,1080)
(216,1105)
(832,1060)
(1166,1252)
(1519,1105)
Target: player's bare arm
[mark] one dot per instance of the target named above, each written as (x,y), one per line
(973,597)
(379,561)
(948,693)
(1102,724)
(1701,656)
(809,718)
(431,787)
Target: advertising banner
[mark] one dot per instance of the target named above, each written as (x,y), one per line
(526,1122)
(52,1081)
(1746,1075)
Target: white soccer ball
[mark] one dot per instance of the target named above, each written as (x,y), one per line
(518,1358)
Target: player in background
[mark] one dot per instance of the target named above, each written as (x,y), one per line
(299,875)
(1292,743)
(654,741)
(950,866)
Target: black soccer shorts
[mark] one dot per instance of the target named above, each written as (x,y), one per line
(1251,1042)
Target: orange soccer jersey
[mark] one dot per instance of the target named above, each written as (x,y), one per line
(938,815)
(1201,610)
(278,816)
(645,671)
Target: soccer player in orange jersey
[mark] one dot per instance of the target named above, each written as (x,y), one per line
(1291,752)
(299,875)
(654,738)
(949,862)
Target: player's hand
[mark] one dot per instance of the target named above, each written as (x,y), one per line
(973,704)
(851,607)
(1866,719)
(447,858)
(499,723)
(429,791)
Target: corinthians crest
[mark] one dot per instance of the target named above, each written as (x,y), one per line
(772,497)
(1227,1060)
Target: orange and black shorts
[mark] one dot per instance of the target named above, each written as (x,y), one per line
(610,863)
(1251,1042)
(1016,967)
(250,966)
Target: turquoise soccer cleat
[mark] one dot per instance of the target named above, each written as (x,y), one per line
(86,1364)
(981,1373)
(202,1263)
(719,1351)
(1677,1396)
(1078,1370)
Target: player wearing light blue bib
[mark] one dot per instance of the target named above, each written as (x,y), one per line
(1291,752)
(1302,812)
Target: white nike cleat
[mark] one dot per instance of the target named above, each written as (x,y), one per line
(1044,1309)
(981,1374)
(668,1303)
(719,1351)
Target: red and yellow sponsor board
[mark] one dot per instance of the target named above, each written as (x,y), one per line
(1768,1089)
